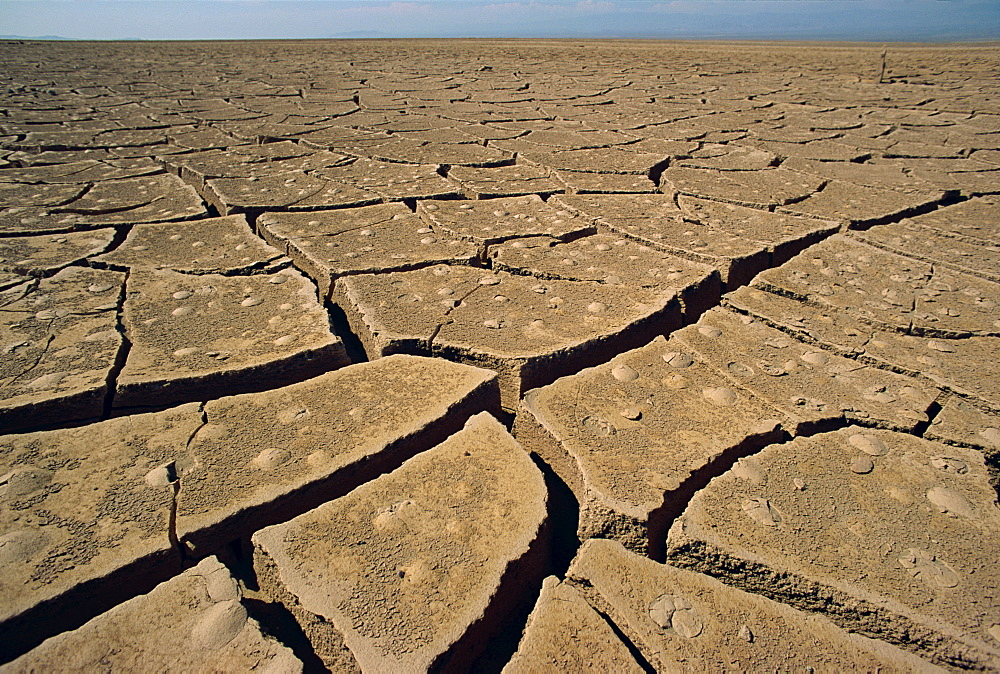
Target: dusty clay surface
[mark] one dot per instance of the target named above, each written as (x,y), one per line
(195,620)
(499,355)
(433,540)
(914,512)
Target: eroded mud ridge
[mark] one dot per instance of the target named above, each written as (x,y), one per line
(522,356)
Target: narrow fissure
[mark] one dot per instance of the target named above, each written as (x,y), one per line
(341,327)
(123,351)
(633,650)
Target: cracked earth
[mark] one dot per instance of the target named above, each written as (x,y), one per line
(499,355)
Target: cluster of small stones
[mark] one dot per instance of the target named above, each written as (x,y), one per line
(522,356)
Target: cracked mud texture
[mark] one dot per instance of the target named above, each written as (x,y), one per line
(193,621)
(681,620)
(168,485)
(879,530)
(638,291)
(405,566)
(192,335)
(60,345)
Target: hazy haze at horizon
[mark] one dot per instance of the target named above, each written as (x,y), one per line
(877,20)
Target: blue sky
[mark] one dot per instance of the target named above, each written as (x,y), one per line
(876,20)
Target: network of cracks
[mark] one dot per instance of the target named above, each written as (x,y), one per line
(499,355)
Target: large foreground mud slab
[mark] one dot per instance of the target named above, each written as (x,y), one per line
(83,530)
(681,620)
(882,532)
(194,621)
(262,458)
(412,570)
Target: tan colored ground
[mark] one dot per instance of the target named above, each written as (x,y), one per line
(499,355)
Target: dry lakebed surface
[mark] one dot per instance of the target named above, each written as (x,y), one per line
(522,356)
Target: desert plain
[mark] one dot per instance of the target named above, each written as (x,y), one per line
(489,355)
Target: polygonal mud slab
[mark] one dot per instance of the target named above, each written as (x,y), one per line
(866,175)
(193,621)
(83,530)
(60,343)
(962,423)
(887,290)
(35,221)
(827,150)
(45,255)
(157,198)
(979,218)
(683,621)
(816,388)
(917,150)
(634,437)
(956,365)
(529,330)
(58,138)
(370,239)
(439,135)
(656,220)
(565,634)
(195,337)
(967,182)
(580,182)
(393,181)
(786,235)
(214,246)
(969,256)
(416,569)
(422,152)
(757,189)
(34,194)
(71,170)
(576,140)
(882,532)
(602,160)
(197,168)
(349,141)
(293,191)
(859,206)
(250,162)
(496,220)
(504,181)
(612,260)
(729,157)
